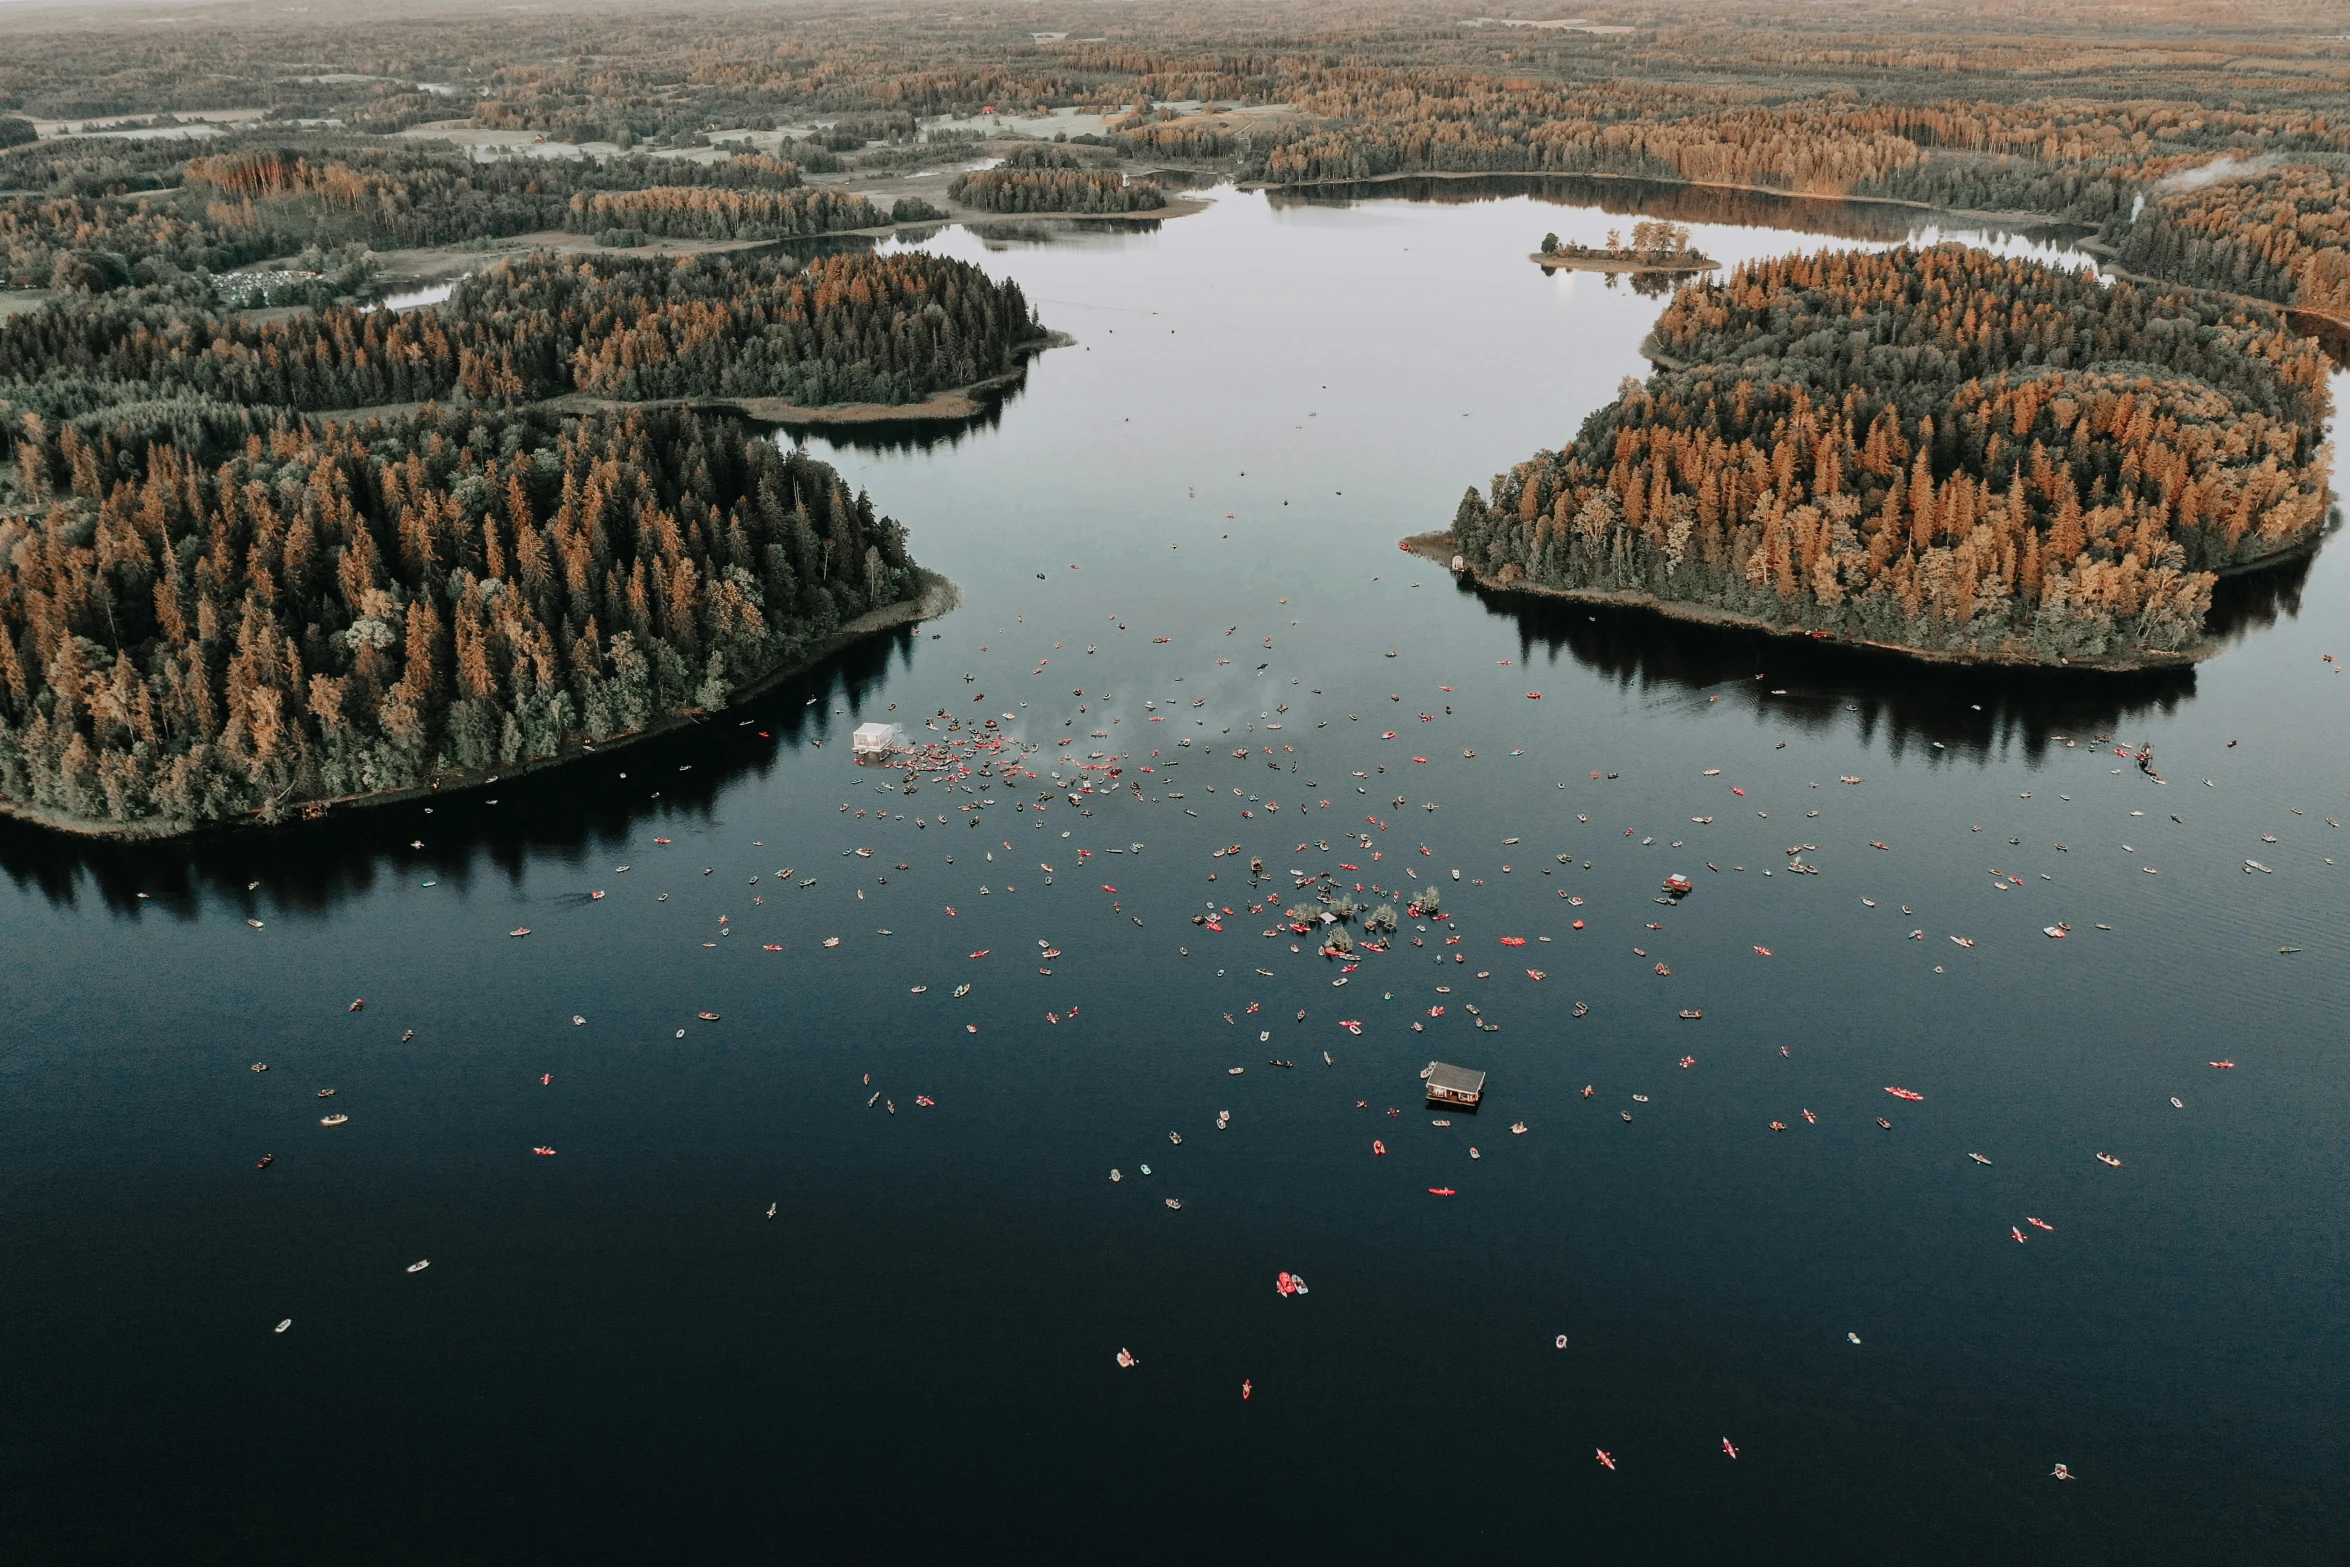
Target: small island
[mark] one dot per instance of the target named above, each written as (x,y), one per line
(1943,452)
(1657,246)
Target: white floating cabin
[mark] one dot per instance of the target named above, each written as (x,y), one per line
(1455,1085)
(874,742)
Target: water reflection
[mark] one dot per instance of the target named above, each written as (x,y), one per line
(1874,222)
(489,831)
(1903,704)
(909,435)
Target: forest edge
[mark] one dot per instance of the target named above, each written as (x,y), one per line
(939,596)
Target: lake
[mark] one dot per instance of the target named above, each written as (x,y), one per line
(1183,528)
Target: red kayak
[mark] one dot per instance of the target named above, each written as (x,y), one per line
(1903,1093)
(1442,1191)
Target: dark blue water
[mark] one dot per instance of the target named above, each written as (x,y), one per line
(616,1355)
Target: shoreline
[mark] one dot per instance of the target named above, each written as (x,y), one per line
(1559,260)
(1439,547)
(1999,219)
(953,405)
(939,596)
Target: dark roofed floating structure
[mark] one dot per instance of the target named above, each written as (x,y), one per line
(1458,1086)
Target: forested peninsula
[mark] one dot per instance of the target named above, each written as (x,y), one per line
(229,595)
(854,328)
(328,614)
(1053,179)
(1943,451)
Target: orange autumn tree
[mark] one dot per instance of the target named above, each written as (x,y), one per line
(332,612)
(1943,449)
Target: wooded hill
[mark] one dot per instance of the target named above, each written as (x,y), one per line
(855,327)
(339,612)
(1942,449)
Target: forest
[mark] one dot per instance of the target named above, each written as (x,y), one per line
(339,611)
(855,327)
(1945,450)
(229,209)
(2128,122)
(1054,190)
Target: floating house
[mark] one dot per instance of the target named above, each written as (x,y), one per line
(1458,1086)
(874,742)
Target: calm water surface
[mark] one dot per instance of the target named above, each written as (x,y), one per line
(616,1355)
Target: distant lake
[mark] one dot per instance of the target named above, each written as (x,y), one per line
(616,1355)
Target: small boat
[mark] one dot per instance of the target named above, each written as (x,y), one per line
(1327,1060)
(1687,1062)
(1978,1158)
(326,1093)
(1689,1015)
(577,1021)
(1762,952)
(1606,1458)
(2106,1158)
(333,1120)
(1904,1093)
(2018,1234)
(408,1035)
(925,1101)
(1810,1119)
(260,1066)
(1778,1126)
(2060,1472)
(2176,1103)
(1474,1154)
(546,1079)
(1442,1191)
(1887,1125)
(962,990)
(1234,1071)
(1964,941)
(1378,1147)
(771,1207)
(1582,1010)
(1116,1176)
(1172,1203)
(2225,1066)
(660,840)
(1440,1123)
(707,1017)
(256,924)
(1588,1090)
(1854,1337)
(1626,1114)
(281,1327)
(1126,1359)
(544,1152)
(596,897)
(419,1267)
(1640,1099)
(1517,1128)
(1176,1138)
(519,930)
(2040,1224)
(356,1005)
(1868,903)
(267,1160)
(1728,1448)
